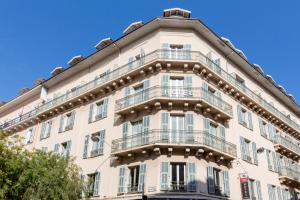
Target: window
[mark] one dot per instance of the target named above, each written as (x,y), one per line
(262,127)
(98,110)
(244,117)
(248,151)
(176,51)
(66,121)
(45,149)
(94,183)
(136,94)
(273,160)
(272,192)
(45,130)
(97,141)
(134,178)
(28,138)
(218,181)
(178,182)
(63,149)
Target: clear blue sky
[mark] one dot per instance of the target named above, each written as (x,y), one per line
(36,36)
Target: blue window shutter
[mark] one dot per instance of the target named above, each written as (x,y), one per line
(142,175)
(279,194)
(125,134)
(275,162)
(268,159)
(210,180)
(61,124)
(165,50)
(143,55)
(49,128)
(278,161)
(126,94)
(254,150)
(146,89)
(165,127)
(206,125)
(239,112)
(187,51)
(68,148)
(205,86)
(270,131)
(91,113)
(43,130)
(188,84)
(192,177)
(105,107)
(243,148)
(121,187)
(189,122)
(96,184)
(130,63)
(72,119)
(250,125)
(164,176)
(261,127)
(226,183)
(101,141)
(146,121)
(86,146)
(165,85)
(223,137)
(56,148)
(258,188)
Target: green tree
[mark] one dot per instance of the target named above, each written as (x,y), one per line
(37,175)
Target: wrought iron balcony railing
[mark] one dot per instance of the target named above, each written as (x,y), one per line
(173,137)
(164,55)
(287,144)
(158,92)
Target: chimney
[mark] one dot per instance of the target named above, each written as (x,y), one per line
(57,70)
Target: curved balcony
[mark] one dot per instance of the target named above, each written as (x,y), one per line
(154,61)
(287,148)
(289,177)
(197,142)
(159,96)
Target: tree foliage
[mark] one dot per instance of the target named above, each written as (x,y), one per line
(37,175)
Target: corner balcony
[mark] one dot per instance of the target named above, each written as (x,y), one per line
(175,97)
(287,148)
(158,141)
(289,177)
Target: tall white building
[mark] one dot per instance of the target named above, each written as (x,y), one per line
(170,110)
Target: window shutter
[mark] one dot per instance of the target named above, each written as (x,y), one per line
(223,137)
(188,84)
(165,127)
(187,51)
(124,135)
(250,126)
(68,148)
(165,85)
(239,112)
(72,119)
(275,162)
(270,131)
(226,183)
(31,135)
(104,108)
(261,127)
(96,184)
(189,122)
(146,89)
(141,187)
(121,188)
(206,135)
(254,150)
(145,138)
(56,148)
(164,176)
(91,113)
(165,50)
(258,188)
(279,193)
(278,162)
(130,63)
(268,159)
(270,192)
(86,146)
(43,130)
(209,59)
(49,128)
(61,124)
(101,141)
(205,86)
(126,94)
(243,148)
(142,56)
(192,177)
(210,180)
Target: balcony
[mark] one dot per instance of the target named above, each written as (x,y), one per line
(158,96)
(149,64)
(289,177)
(187,142)
(287,148)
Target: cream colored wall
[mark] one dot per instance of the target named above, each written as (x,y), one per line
(109,174)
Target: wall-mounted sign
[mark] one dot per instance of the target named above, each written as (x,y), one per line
(244,186)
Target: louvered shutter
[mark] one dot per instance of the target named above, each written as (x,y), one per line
(165,50)
(105,107)
(56,148)
(188,51)
(72,119)
(143,55)
(130,63)
(206,135)
(165,85)
(279,194)
(261,127)
(189,128)
(91,113)
(146,90)
(96,184)
(164,176)
(121,187)
(126,95)
(68,148)
(223,138)
(101,141)
(192,177)
(43,130)
(226,183)
(188,84)
(49,128)
(250,125)
(258,188)
(146,121)
(86,146)
(141,186)
(268,159)
(239,112)
(275,166)
(243,148)
(254,150)
(165,127)
(125,134)
(210,180)
(61,124)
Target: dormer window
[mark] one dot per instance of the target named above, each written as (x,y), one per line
(177,12)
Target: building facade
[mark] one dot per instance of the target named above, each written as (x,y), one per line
(170,110)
